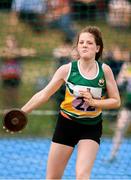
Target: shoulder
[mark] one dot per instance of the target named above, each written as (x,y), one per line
(65,67)
(64,70)
(107,70)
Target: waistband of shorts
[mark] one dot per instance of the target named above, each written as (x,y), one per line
(88,121)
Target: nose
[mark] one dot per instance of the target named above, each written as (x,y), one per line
(84,44)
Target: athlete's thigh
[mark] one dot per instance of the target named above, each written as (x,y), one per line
(87,151)
(58,157)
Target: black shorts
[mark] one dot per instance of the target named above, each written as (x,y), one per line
(69,132)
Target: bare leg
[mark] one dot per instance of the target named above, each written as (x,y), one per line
(87,151)
(121,127)
(58,157)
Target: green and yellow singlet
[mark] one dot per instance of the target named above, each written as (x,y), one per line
(73,105)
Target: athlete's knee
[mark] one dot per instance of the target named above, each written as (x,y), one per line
(82,174)
(50,176)
(53,174)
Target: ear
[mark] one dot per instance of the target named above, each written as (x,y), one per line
(75,54)
(97,48)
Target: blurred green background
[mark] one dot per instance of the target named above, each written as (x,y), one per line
(43,65)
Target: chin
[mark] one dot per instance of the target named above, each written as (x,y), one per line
(86,57)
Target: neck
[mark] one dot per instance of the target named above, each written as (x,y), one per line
(87,64)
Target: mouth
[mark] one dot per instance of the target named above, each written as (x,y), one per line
(84,51)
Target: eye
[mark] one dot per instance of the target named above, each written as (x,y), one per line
(81,42)
(89,42)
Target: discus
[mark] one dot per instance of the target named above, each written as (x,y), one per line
(14,121)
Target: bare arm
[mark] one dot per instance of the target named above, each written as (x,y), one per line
(12,53)
(27,52)
(42,96)
(113,100)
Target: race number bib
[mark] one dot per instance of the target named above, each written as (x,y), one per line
(81,105)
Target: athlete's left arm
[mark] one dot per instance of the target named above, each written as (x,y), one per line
(113,100)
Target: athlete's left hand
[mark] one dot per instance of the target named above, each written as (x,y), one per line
(87,96)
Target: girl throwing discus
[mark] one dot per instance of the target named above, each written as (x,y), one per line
(90,87)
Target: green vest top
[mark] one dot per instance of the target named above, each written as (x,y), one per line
(73,104)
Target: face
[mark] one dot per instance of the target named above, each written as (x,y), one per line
(10,42)
(86,46)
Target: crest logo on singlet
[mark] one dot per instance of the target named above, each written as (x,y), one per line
(101,82)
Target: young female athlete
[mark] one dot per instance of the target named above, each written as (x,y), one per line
(88,82)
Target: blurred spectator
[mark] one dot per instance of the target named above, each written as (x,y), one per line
(5,4)
(44,13)
(119,13)
(114,59)
(11,70)
(30,11)
(84,9)
(59,16)
(102,9)
(124,116)
(89,9)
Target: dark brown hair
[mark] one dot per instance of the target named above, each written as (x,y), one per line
(95,31)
